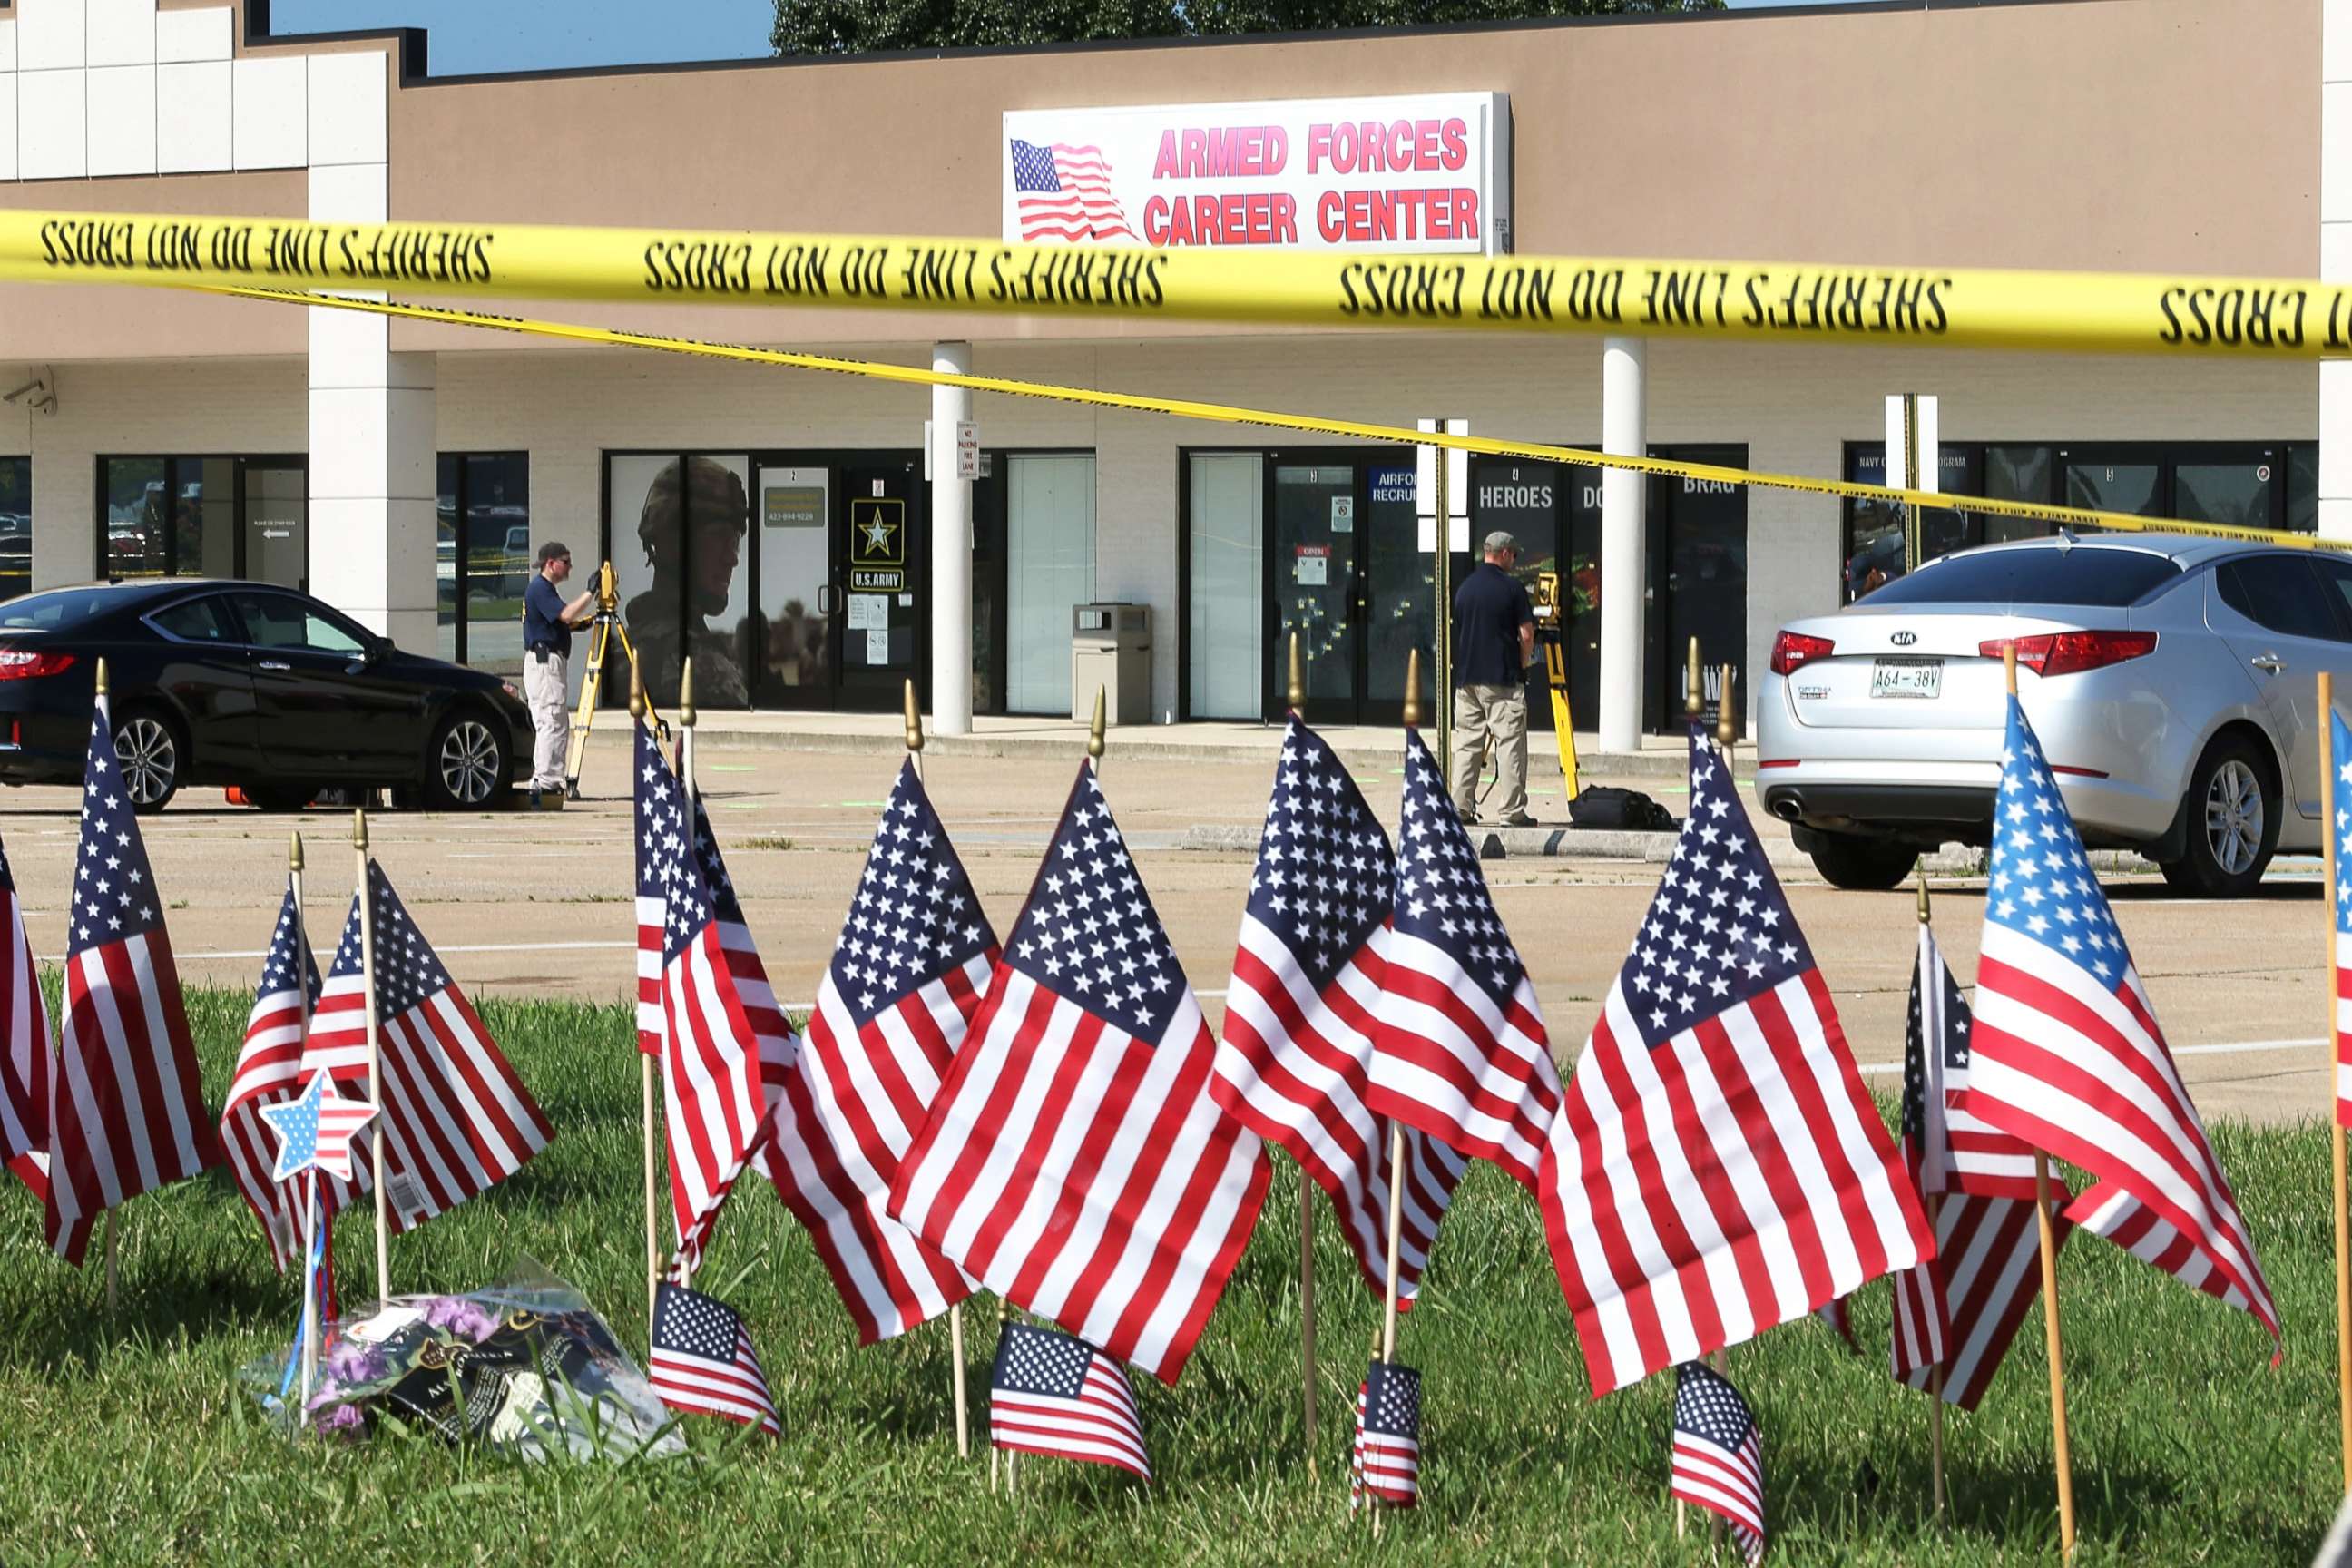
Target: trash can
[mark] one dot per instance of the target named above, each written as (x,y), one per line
(1110,648)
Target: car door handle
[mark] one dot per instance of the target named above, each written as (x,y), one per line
(272,664)
(2270,663)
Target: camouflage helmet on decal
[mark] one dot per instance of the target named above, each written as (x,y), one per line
(716,501)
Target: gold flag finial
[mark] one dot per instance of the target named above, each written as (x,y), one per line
(1726,721)
(294,850)
(686,692)
(1923,895)
(1095,725)
(1413,689)
(636,690)
(1691,703)
(1298,693)
(101,675)
(914,718)
(359,827)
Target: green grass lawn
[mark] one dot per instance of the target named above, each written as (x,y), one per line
(128,1440)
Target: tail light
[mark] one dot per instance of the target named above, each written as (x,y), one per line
(32,664)
(2071,653)
(1792,650)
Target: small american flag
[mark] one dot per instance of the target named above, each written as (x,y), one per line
(456,1119)
(127,1112)
(1387,1461)
(1051,1393)
(906,976)
(651,909)
(1719,1456)
(2069,1057)
(1294,1066)
(2339,743)
(703,1363)
(1075,1160)
(715,1100)
(1717,1167)
(1963,1307)
(1459,1048)
(27,1055)
(1064,193)
(268,1067)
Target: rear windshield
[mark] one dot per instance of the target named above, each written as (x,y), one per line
(2082,575)
(54,610)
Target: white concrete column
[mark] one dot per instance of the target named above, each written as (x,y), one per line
(1624,541)
(2336,261)
(951,585)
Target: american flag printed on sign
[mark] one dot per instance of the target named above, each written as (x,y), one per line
(1963,1307)
(716,1096)
(906,976)
(1459,1048)
(126,1112)
(1717,1167)
(1293,1064)
(703,1363)
(269,1070)
(2339,757)
(27,1057)
(1386,1468)
(2068,1055)
(456,1119)
(1063,192)
(1717,1460)
(1051,1393)
(1075,1160)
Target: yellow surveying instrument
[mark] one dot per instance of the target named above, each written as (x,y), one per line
(600,642)
(1551,636)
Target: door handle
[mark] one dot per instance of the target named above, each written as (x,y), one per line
(824,599)
(2270,663)
(272,664)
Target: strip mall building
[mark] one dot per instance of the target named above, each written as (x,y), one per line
(780,525)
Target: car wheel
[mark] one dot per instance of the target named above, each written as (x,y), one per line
(1863,865)
(281,797)
(2233,822)
(147,749)
(466,767)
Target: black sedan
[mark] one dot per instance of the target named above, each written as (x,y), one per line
(247,684)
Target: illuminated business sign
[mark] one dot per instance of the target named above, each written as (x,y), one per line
(1425,174)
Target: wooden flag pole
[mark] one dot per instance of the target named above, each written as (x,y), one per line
(1935,1203)
(2049,1239)
(638,708)
(955,1313)
(374,1057)
(1298,696)
(1396,1128)
(2336,1121)
(111,1268)
(310,1184)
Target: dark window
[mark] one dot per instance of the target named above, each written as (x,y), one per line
(56,610)
(2336,577)
(197,620)
(482,557)
(15,526)
(272,620)
(202,517)
(2084,575)
(2279,592)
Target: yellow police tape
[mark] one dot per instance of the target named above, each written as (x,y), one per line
(1773,302)
(1317,425)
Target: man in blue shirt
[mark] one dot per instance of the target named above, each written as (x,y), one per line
(547,623)
(1494,638)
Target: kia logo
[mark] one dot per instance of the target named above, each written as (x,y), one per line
(1903,639)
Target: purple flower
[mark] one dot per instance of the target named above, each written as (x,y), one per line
(348,1362)
(457,1316)
(338,1420)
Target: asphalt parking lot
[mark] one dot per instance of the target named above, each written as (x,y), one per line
(542,904)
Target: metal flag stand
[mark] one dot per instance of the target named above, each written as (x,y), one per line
(607,628)
(955,1313)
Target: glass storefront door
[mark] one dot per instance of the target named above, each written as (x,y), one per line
(1698,582)
(1224,616)
(793,516)
(203,516)
(276,529)
(1316,588)
(882,636)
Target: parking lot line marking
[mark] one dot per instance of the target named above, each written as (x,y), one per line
(2224,1049)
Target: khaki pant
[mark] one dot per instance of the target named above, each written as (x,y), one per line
(1499,712)
(545,683)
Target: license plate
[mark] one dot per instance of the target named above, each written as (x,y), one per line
(1907,677)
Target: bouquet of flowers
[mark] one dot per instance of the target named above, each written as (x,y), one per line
(525,1366)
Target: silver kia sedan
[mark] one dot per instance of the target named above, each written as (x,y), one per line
(2170,678)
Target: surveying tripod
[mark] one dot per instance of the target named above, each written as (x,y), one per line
(1551,636)
(600,642)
